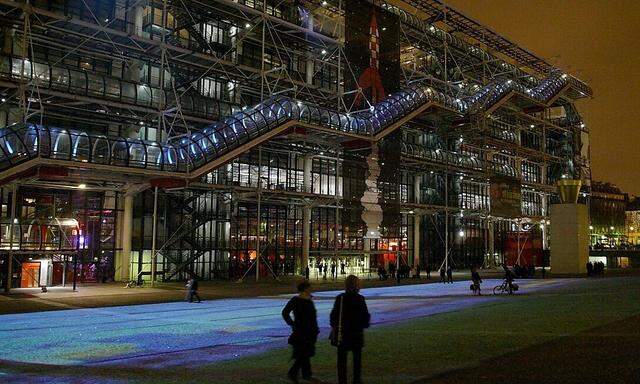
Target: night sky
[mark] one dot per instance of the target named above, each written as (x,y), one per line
(597,40)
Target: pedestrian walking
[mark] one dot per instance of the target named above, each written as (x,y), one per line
(349,318)
(333,271)
(192,290)
(324,276)
(392,270)
(304,331)
(449,275)
(443,275)
(306,273)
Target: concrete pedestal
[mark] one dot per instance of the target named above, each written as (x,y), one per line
(569,242)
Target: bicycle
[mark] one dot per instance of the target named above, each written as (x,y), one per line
(134,283)
(505,287)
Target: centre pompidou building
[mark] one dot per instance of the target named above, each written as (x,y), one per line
(226,138)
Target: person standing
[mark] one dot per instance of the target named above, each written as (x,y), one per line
(443,275)
(306,273)
(449,275)
(589,269)
(192,290)
(349,317)
(304,331)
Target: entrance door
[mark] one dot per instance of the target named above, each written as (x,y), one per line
(30,276)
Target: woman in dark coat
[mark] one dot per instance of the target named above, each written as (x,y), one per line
(349,318)
(304,333)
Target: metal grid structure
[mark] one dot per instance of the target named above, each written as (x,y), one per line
(225,133)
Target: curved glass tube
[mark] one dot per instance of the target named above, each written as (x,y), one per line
(22,142)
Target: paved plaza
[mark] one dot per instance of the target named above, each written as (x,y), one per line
(158,336)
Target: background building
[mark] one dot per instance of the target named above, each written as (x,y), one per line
(149,138)
(632,219)
(607,208)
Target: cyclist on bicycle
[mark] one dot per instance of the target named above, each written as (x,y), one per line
(508,277)
(475,278)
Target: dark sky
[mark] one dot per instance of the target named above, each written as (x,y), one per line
(597,40)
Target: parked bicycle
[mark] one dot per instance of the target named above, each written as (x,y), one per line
(138,282)
(134,283)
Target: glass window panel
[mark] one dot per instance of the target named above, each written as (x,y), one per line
(112,88)
(128,92)
(61,144)
(144,95)
(119,152)
(100,151)
(59,78)
(78,83)
(137,154)
(96,85)
(81,146)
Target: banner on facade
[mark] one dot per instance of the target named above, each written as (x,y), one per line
(506,197)
(372,46)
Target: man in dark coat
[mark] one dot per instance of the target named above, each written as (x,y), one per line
(304,326)
(192,290)
(349,318)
